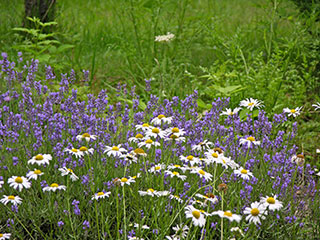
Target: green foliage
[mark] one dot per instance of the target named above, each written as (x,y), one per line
(40,45)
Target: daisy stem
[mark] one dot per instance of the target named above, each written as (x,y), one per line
(234,138)
(124,213)
(221,218)
(254,130)
(97,219)
(245,160)
(293,180)
(69,211)
(118,218)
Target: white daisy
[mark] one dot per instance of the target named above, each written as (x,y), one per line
(134,238)
(243,173)
(175,138)
(190,159)
(4,236)
(176,174)
(197,216)
(136,139)
(209,197)
(155,132)
(87,137)
(176,197)
(19,182)
(271,203)
(86,150)
(227,162)
(201,146)
(157,168)
(251,103)
(298,159)
(199,203)
(114,151)
(1,183)
(175,131)
(213,157)
(129,157)
(293,112)
(202,174)
(99,195)
(256,212)
(181,231)
(136,225)
(53,187)
(40,159)
(74,152)
(229,111)
(124,180)
(148,143)
(249,141)
(139,152)
(227,214)
(316,106)
(161,119)
(177,166)
(68,171)
(151,192)
(237,231)
(144,127)
(34,174)
(15,200)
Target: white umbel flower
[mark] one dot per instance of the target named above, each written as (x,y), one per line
(243,173)
(293,112)
(87,137)
(197,216)
(231,112)
(54,187)
(249,141)
(34,174)
(153,193)
(15,200)
(228,215)
(272,203)
(99,195)
(164,38)
(255,212)
(115,151)
(40,159)
(68,171)
(19,182)
(251,103)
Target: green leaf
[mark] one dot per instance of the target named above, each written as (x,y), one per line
(64,47)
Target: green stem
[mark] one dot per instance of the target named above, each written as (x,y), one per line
(221,218)
(124,213)
(97,219)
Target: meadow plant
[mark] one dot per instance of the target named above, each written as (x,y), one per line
(97,170)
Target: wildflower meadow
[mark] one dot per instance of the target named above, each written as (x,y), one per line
(196,135)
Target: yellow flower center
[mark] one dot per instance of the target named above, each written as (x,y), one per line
(124,180)
(215,155)
(231,113)
(139,151)
(86,135)
(173,136)
(176,166)
(228,214)
(74,150)
(83,149)
(250,104)
(161,116)
(115,148)
(293,110)
(271,200)
(18,180)
(139,135)
(244,171)
(37,172)
(190,157)
(157,168)
(39,157)
(145,125)
(55,185)
(201,172)
(251,139)
(100,193)
(70,170)
(11,197)
(134,177)
(196,214)
(219,150)
(150,190)
(1,235)
(176,196)
(255,211)
(155,130)
(175,130)
(149,141)
(175,173)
